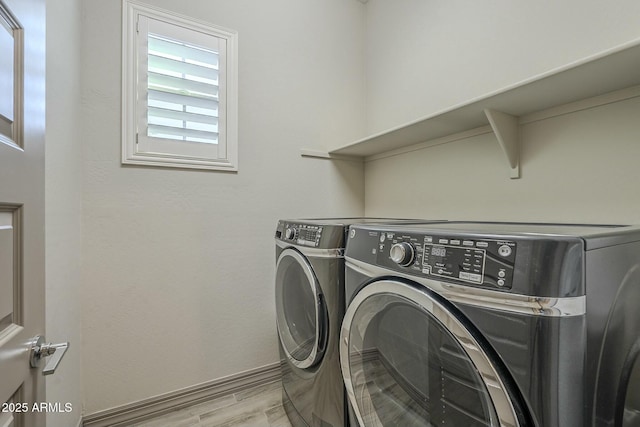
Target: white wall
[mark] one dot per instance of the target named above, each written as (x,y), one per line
(580,167)
(426,55)
(178,264)
(63,169)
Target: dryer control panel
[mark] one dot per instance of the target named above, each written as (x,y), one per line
(299,233)
(477,261)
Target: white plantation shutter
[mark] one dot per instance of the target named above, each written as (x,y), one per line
(182,91)
(182,111)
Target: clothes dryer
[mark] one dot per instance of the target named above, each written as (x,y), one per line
(309,287)
(492,324)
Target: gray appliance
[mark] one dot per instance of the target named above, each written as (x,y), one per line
(492,324)
(310,303)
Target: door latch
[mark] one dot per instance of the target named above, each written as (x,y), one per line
(40,350)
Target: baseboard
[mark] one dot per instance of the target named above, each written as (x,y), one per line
(136,412)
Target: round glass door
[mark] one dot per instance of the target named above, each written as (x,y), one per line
(300,310)
(408,360)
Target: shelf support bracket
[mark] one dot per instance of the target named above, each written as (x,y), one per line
(507,130)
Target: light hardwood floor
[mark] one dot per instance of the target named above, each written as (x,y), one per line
(257,407)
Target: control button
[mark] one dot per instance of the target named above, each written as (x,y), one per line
(475,277)
(402,253)
(500,282)
(501,273)
(463,275)
(428,239)
(504,250)
(382,237)
(482,244)
(291,233)
(443,241)
(455,242)
(467,243)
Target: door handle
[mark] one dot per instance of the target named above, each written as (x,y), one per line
(40,350)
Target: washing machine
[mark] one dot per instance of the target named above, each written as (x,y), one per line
(470,324)
(310,304)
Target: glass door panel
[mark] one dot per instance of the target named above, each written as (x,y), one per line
(410,362)
(299,309)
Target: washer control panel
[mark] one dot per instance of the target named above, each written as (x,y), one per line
(300,234)
(476,261)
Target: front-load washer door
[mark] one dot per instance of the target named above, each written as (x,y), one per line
(301,313)
(409,359)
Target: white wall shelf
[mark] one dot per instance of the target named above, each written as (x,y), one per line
(606,72)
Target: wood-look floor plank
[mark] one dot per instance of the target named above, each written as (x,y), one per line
(256,407)
(249,406)
(277,417)
(211,405)
(173,419)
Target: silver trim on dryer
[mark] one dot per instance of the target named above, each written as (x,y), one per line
(485,298)
(281,321)
(499,397)
(312,252)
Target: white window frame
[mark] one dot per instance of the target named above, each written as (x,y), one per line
(137,147)
(12,90)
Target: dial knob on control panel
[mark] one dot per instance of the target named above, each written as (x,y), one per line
(291,233)
(402,253)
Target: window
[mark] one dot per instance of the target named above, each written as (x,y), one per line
(179,91)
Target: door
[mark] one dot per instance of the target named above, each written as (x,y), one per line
(409,359)
(301,313)
(22,99)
